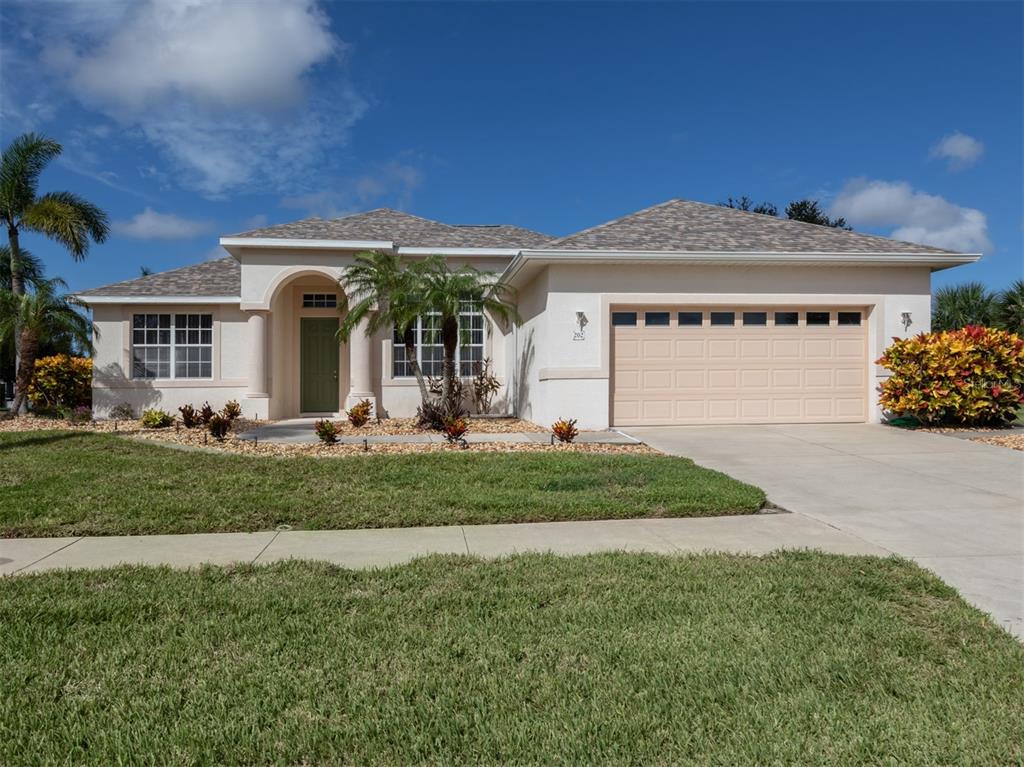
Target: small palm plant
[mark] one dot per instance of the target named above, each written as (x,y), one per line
(387,292)
(34,318)
(447,293)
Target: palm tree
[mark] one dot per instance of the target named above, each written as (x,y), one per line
(62,217)
(35,318)
(1010,308)
(955,306)
(30,268)
(447,293)
(387,292)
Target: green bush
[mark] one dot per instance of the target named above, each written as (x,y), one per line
(157,419)
(971,377)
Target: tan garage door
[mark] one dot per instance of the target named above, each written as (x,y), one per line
(701,365)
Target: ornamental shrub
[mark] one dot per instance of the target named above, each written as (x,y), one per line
(122,412)
(205,413)
(61,381)
(327,431)
(972,377)
(455,430)
(564,430)
(219,425)
(157,419)
(189,416)
(359,413)
(232,410)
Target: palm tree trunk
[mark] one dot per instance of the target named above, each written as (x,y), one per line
(18,406)
(450,341)
(409,339)
(23,376)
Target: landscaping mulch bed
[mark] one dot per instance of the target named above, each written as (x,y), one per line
(1013,441)
(402,426)
(197,438)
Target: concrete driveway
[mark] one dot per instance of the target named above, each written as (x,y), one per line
(954,506)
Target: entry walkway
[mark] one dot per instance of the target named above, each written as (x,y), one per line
(750,534)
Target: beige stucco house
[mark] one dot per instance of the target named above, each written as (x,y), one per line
(682,313)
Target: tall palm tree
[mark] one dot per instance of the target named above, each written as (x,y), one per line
(387,292)
(35,318)
(63,217)
(30,268)
(969,303)
(1010,309)
(447,293)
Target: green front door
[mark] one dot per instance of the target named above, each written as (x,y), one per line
(318,366)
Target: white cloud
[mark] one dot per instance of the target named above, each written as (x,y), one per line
(916,216)
(958,150)
(219,86)
(392,184)
(152,225)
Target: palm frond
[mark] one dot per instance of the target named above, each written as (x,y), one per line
(22,162)
(68,219)
(29,266)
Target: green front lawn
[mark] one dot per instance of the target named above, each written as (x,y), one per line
(79,483)
(608,659)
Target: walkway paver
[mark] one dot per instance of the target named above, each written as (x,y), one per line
(954,506)
(750,534)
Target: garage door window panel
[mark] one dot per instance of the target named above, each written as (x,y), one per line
(723,319)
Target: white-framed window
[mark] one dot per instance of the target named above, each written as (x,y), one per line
(319,300)
(430,349)
(172,346)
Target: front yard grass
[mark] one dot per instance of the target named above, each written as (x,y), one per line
(80,483)
(794,658)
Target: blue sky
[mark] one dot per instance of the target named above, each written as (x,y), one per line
(186,121)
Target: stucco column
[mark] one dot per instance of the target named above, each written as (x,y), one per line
(257,356)
(360,365)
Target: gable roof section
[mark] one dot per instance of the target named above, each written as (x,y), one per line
(404,229)
(220,278)
(684,226)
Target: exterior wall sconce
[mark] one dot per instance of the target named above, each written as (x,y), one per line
(581,322)
(905,319)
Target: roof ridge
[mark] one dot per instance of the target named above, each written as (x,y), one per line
(786,220)
(613,221)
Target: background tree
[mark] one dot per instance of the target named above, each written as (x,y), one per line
(810,212)
(747,204)
(62,217)
(388,292)
(38,317)
(1010,308)
(956,306)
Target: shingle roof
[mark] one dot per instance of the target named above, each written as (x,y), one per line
(222,277)
(402,229)
(681,225)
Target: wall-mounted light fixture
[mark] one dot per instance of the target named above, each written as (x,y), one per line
(581,322)
(905,319)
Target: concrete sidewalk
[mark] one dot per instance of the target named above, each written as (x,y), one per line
(750,534)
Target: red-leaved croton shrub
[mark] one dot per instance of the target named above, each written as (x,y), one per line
(973,376)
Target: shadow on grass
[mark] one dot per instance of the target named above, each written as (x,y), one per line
(41,439)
